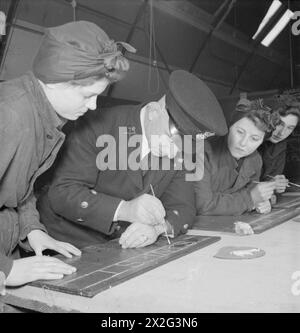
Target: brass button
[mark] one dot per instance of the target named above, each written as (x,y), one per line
(84,204)
(94,192)
(185,226)
(80,220)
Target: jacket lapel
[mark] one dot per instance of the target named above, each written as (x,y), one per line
(154,177)
(133,125)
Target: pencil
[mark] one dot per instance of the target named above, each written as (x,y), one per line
(151,187)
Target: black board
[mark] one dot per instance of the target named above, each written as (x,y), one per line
(287,207)
(102,266)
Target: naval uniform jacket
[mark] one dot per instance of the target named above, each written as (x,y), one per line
(226,184)
(273,156)
(29,141)
(80,204)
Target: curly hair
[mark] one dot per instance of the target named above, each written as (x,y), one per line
(287,104)
(260,114)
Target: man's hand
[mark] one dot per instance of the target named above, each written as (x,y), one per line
(145,209)
(262,192)
(264,207)
(40,241)
(281,183)
(35,268)
(138,235)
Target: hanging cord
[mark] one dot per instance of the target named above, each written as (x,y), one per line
(73,3)
(152,54)
(225,14)
(236,67)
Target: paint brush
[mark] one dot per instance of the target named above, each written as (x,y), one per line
(151,187)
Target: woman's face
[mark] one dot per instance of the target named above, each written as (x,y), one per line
(283,130)
(244,138)
(71,102)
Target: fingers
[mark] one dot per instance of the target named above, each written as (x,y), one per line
(267,195)
(65,249)
(280,177)
(281,183)
(52,270)
(38,251)
(134,241)
(146,217)
(155,204)
(129,234)
(264,207)
(35,268)
(135,235)
(243,228)
(70,248)
(50,276)
(266,190)
(56,264)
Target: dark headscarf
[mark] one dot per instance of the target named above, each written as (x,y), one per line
(77,50)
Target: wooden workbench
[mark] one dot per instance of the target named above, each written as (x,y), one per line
(197,282)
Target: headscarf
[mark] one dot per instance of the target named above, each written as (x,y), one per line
(78,50)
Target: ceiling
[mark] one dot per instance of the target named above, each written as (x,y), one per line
(185,35)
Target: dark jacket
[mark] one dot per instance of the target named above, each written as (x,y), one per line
(80,204)
(225,187)
(30,139)
(273,156)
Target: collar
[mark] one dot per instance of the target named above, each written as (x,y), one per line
(49,116)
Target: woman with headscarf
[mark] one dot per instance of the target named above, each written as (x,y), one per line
(74,64)
(232,166)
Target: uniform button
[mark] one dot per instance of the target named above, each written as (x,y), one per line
(80,220)
(185,226)
(94,192)
(49,136)
(176,212)
(118,228)
(84,204)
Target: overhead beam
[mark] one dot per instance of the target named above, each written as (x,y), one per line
(215,25)
(138,16)
(200,19)
(96,12)
(192,15)
(243,68)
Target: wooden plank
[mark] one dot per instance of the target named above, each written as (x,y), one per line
(13,304)
(287,207)
(102,266)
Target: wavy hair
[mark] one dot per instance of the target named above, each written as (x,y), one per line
(261,115)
